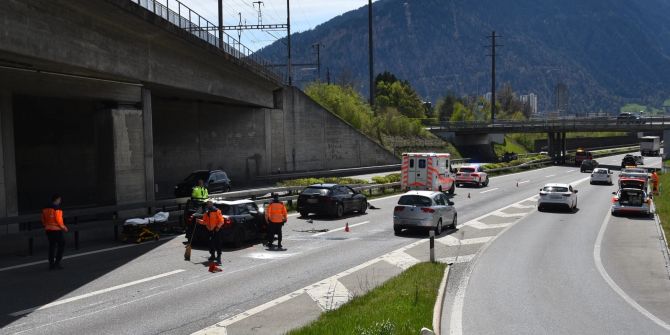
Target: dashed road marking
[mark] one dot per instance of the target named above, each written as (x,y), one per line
(523,182)
(551,175)
(341,228)
(487,191)
(457,259)
(451,241)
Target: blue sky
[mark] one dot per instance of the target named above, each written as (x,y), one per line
(305,15)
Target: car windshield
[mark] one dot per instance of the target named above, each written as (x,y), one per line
(555,189)
(225,209)
(415,200)
(468,169)
(600,171)
(315,191)
(195,176)
(632,184)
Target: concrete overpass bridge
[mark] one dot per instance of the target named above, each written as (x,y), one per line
(110,102)
(556,129)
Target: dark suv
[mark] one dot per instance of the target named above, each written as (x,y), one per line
(216,181)
(628,160)
(588,165)
(331,199)
(626,117)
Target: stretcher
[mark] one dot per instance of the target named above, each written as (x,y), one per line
(139,230)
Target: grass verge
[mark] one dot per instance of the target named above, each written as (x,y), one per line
(662,202)
(402,305)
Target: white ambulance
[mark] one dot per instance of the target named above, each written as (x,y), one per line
(427,171)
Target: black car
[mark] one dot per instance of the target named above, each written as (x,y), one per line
(629,118)
(216,181)
(331,199)
(509,156)
(628,160)
(588,165)
(243,222)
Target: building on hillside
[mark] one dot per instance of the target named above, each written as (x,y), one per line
(561,102)
(530,100)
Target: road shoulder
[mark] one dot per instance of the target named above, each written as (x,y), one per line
(633,256)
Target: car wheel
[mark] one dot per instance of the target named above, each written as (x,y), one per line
(340,211)
(304,214)
(452,189)
(454,222)
(364,207)
(397,230)
(486,183)
(540,208)
(438,228)
(574,208)
(591,182)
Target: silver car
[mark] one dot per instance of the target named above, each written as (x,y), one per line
(425,210)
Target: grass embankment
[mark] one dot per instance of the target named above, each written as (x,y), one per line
(402,305)
(662,201)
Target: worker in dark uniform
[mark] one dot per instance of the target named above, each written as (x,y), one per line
(276,216)
(212,219)
(52,220)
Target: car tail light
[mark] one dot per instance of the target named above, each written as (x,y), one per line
(614,200)
(227,222)
(475,174)
(398,209)
(427,210)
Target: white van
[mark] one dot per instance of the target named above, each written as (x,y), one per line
(427,171)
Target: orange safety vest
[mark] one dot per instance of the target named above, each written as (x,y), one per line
(52,219)
(212,220)
(276,213)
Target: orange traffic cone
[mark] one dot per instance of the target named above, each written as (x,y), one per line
(213,267)
(346,227)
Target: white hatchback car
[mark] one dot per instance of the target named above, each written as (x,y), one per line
(557,195)
(601,176)
(424,210)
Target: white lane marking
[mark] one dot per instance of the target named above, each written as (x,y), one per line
(523,182)
(456,317)
(509,215)
(80,254)
(481,226)
(91,294)
(573,170)
(487,191)
(451,241)
(610,281)
(551,175)
(329,294)
(401,259)
(341,228)
(269,255)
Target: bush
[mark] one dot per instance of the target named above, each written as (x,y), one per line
(391,178)
(326,180)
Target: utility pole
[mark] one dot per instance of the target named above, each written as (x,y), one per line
(493,74)
(318,46)
(288,41)
(371,55)
(328,75)
(221,24)
(260,12)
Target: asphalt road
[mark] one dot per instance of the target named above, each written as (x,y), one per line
(150,289)
(541,276)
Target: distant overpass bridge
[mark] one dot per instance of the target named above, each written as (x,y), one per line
(556,129)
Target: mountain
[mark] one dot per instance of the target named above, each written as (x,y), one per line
(607,52)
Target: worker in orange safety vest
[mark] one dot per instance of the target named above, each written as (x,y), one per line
(52,220)
(654,182)
(276,216)
(212,219)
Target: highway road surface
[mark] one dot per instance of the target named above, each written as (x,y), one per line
(565,273)
(150,289)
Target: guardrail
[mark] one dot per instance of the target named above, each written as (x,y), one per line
(558,125)
(185,18)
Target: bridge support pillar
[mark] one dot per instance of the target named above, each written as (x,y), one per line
(557,145)
(8,188)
